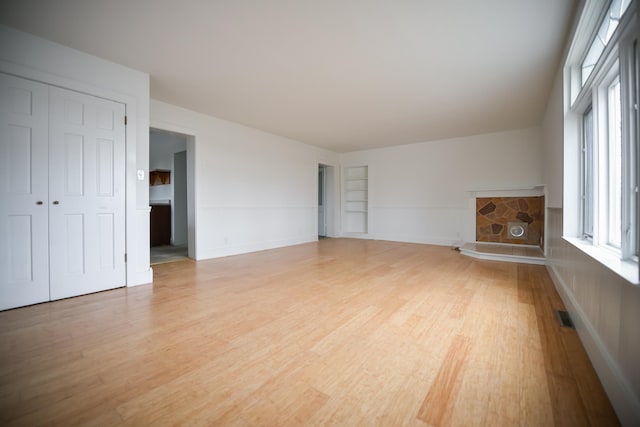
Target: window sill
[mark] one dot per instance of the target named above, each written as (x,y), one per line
(628,270)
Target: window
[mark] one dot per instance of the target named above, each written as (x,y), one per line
(633,157)
(603,36)
(614,167)
(587,174)
(603,119)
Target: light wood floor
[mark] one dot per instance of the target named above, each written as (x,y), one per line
(340,332)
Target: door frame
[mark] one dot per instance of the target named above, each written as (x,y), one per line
(191,137)
(330,197)
(322,199)
(82,78)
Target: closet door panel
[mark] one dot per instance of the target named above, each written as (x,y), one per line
(24,263)
(87,183)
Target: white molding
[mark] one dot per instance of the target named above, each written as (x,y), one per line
(423,240)
(620,393)
(510,245)
(219,252)
(138,278)
(626,269)
(535,191)
(503,257)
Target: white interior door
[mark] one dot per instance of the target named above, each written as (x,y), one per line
(86,193)
(24,263)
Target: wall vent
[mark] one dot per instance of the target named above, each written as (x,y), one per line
(565,319)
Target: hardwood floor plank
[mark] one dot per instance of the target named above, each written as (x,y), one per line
(535,407)
(439,401)
(599,410)
(568,409)
(338,332)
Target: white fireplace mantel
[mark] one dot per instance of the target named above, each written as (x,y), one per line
(534,191)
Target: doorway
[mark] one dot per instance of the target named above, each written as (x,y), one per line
(168,196)
(326,204)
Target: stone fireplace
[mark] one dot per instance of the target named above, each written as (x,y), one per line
(512,220)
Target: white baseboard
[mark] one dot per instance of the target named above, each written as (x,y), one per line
(624,401)
(403,238)
(209,253)
(140,278)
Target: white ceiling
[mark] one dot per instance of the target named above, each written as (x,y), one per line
(340,74)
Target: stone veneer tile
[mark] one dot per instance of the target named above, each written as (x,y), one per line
(487,209)
(493,214)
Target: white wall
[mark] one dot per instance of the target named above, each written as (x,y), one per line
(604,307)
(552,152)
(34,58)
(253,190)
(424,192)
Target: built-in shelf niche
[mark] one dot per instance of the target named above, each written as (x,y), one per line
(356,210)
(159,177)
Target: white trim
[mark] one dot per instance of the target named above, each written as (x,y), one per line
(232,250)
(503,257)
(535,191)
(132,144)
(192,137)
(626,269)
(620,393)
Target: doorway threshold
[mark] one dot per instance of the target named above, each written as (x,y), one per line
(168,253)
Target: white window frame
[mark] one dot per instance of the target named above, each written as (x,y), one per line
(618,61)
(602,145)
(587,173)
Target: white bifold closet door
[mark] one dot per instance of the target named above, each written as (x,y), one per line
(24,189)
(62,230)
(86,193)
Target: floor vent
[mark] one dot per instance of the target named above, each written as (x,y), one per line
(565,319)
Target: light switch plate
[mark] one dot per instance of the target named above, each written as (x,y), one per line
(140,175)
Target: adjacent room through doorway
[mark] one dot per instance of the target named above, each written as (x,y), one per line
(168,196)
(326,202)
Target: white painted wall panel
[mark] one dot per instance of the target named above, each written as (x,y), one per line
(253,190)
(604,306)
(552,151)
(422,192)
(605,309)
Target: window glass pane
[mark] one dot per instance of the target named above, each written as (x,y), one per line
(587,175)
(605,32)
(592,57)
(615,167)
(619,7)
(635,156)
